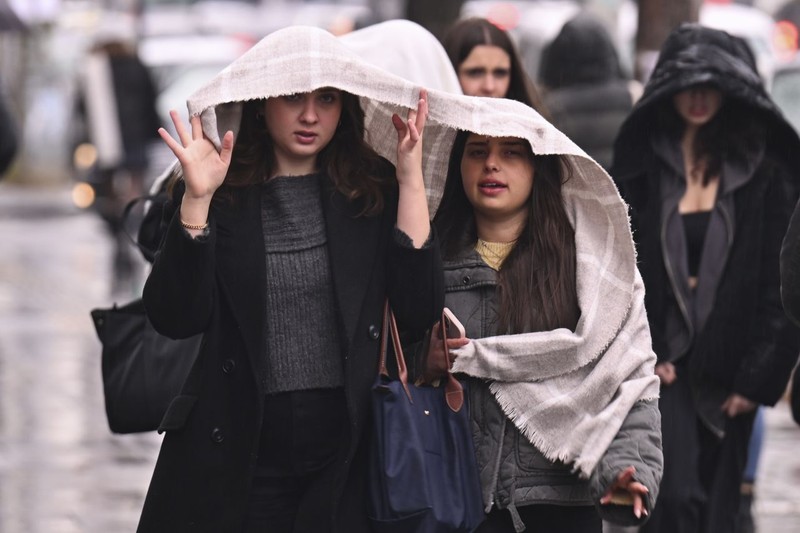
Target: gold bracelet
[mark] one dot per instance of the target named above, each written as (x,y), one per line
(194,226)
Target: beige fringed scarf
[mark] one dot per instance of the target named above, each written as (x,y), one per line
(568,392)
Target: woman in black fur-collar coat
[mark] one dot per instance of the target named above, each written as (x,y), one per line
(704,163)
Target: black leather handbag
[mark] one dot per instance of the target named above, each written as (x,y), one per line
(143,371)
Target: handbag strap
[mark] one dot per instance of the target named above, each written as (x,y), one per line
(453,389)
(389,328)
(126,212)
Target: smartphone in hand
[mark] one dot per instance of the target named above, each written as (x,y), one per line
(453,327)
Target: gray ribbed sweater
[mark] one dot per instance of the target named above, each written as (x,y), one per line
(302,349)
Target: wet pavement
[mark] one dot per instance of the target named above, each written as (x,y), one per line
(61,470)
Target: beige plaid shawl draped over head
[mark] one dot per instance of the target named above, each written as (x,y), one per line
(568,392)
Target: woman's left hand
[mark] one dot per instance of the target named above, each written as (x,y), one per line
(736,404)
(413,217)
(627,491)
(409,140)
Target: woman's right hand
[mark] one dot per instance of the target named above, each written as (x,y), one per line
(666,373)
(204,168)
(436,360)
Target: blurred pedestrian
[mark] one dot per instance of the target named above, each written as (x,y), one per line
(283,246)
(8,137)
(707,164)
(488,64)
(540,268)
(745,523)
(790,293)
(117,104)
(583,86)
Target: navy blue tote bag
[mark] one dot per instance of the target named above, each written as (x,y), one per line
(423,473)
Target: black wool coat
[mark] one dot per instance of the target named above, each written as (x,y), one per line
(216,286)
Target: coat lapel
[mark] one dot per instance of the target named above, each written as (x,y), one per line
(353,243)
(353,248)
(242,269)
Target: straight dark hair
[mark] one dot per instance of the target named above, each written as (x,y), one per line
(355,169)
(466,34)
(537,289)
(730,134)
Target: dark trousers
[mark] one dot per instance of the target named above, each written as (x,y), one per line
(545,519)
(301,437)
(700,488)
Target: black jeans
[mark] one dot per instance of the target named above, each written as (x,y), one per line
(542,518)
(301,437)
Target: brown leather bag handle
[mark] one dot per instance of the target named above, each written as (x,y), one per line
(453,390)
(389,327)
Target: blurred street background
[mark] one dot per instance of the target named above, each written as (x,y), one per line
(62,252)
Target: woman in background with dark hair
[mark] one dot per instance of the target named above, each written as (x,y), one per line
(487,62)
(707,164)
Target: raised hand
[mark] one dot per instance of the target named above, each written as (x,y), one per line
(626,491)
(409,140)
(204,167)
(412,207)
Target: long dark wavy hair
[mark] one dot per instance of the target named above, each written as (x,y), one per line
(537,289)
(729,135)
(466,34)
(356,170)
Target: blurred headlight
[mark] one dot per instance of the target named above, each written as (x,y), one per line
(85,156)
(83,195)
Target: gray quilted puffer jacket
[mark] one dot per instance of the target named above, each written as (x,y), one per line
(513,472)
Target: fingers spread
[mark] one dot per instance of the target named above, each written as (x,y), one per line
(399,125)
(422,111)
(227,147)
(197,127)
(180,129)
(413,133)
(173,145)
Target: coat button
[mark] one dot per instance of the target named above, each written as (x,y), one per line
(228,366)
(374,332)
(217,436)
(465,280)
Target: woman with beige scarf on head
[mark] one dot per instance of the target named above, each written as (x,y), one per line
(289,231)
(224,461)
(540,269)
